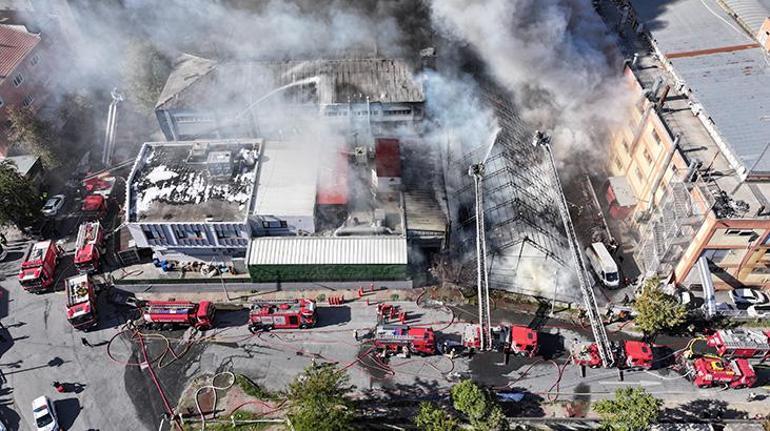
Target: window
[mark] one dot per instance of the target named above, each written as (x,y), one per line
(638,174)
(18,79)
(28,101)
(655,136)
(647,156)
(274,224)
(625,144)
(739,232)
(34,60)
(618,163)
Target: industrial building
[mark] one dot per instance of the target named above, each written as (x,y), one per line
(691,168)
(272,209)
(208,99)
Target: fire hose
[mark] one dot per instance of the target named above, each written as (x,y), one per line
(214,388)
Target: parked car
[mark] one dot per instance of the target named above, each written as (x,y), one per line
(759,311)
(45,414)
(746,297)
(53,206)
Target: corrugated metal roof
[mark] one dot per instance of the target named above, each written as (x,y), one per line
(718,61)
(750,12)
(328,251)
(15,44)
(195,84)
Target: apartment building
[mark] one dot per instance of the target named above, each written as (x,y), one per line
(690,169)
(23,74)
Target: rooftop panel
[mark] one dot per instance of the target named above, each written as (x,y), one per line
(174,182)
(287,180)
(723,66)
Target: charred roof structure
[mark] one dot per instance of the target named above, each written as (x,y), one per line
(203,98)
(527,247)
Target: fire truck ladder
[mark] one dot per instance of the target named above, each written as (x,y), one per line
(485,320)
(592,309)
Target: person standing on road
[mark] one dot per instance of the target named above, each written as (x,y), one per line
(85,342)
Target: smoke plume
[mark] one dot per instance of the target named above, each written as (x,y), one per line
(553,55)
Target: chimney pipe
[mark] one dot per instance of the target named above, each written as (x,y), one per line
(635,60)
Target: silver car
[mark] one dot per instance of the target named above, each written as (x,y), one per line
(53,206)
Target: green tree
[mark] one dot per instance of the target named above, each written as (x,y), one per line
(657,310)
(633,409)
(320,400)
(144,71)
(19,197)
(479,406)
(33,134)
(432,417)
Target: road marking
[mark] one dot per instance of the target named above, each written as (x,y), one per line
(640,382)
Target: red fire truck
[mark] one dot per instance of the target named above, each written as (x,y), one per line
(81,291)
(709,371)
(516,339)
(89,247)
(628,354)
(289,314)
(94,207)
(740,343)
(170,314)
(38,270)
(98,192)
(404,339)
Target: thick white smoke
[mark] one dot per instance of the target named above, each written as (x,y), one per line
(554,56)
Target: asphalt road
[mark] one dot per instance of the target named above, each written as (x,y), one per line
(41,347)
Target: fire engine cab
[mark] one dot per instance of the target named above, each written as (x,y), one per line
(711,371)
(38,270)
(516,339)
(88,247)
(740,343)
(405,340)
(99,190)
(81,291)
(170,314)
(299,313)
(630,354)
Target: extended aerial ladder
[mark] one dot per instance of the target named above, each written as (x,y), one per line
(485,320)
(592,309)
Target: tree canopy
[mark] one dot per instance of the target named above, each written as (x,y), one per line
(19,197)
(479,406)
(320,400)
(657,310)
(633,409)
(432,417)
(33,134)
(144,71)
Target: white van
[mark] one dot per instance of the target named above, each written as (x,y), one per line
(603,265)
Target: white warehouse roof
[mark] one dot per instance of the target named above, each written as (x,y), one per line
(287,180)
(352,250)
